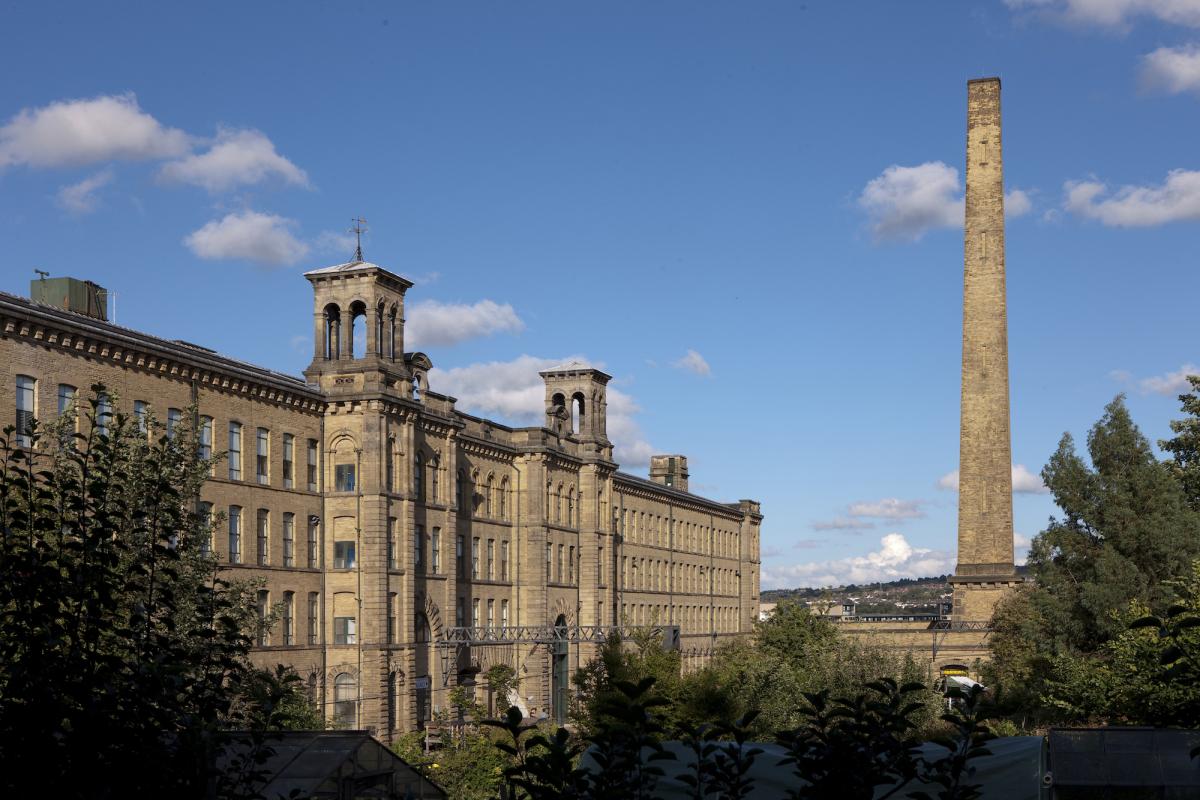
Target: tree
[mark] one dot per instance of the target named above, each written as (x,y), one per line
(123,658)
(1184,447)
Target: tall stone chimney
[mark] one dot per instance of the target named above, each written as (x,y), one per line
(670,471)
(985,528)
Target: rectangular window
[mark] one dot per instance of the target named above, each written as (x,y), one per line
(314,617)
(343,478)
(104,413)
(504,560)
(460,563)
(235,535)
(263,607)
(600,566)
(459,613)
(206,439)
(503,613)
(491,617)
(206,512)
(66,399)
(289,609)
(262,455)
(418,548)
(571,565)
(475,613)
(314,552)
(391,620)
(141,413)
(435,551)
(174,417)
(289,455)
(312,465)
(391,543)
(26,409)
(549,562)
(289,540)
(235,451)
(475,557)
(343,555)
(558,565)
(264,540)
(491,559)
(345,630)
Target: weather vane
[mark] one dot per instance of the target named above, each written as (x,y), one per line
(360,227)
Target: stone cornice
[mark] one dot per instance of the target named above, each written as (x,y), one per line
(648,490)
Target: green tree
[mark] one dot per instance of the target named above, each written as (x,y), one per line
(1184,447)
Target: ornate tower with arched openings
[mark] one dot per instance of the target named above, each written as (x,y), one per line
(577,404)
(358,329)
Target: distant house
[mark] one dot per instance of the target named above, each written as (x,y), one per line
(765,610)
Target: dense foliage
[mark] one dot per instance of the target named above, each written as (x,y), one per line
(122,656)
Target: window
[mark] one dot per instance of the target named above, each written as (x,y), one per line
(433,479)
(571,508)
(262,607)
(503,498)
(389,480)
(343,555)
(345,630)
(289,610)
(313,551)
(26,409)
(312,465)
(558,565)
(174,417)
(421,628)
(475,613)
(141,413)
(600,566)
(475,557)
(418,548)
(235,451)
(391,619)
(66,399)
(289,456)
(289,540)
(460,564)
(343,478)
(205,511)
(504,560)
(314,617)
(549,561)
(235,535)
(345,701)
(487,497)
(571,564)
(503,613)
(206,439)
(391,543)
(435,551)
(491,559)
(264,543)
(459,613)
(419,477)
(491,611)
(104,413)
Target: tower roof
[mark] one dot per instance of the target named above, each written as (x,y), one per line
(574,366)
(351,267)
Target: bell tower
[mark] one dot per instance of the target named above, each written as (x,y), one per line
(358,329)
(577,402)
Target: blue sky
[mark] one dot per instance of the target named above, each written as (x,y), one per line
(748,213)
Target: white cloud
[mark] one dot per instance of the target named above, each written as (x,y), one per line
(693,362)
(515,393)
(1171,383)
(1115,13)
(894,559)
(1023,481)
(80,198)
(1176,200)
(888,508)
(842,524)
(237,157)
(1173,69)
(250,236)
(1020,548)
(905,203)
(72,132)
(430,323)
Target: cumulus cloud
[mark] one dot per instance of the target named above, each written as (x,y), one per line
(430,323)
(905,203)
(1020,548)
(1114,13)
(693,362)
(1171,383)
(73,132)
(894,559)
(236,158)
(887,508)
(81,198)
(1176,200)
(514,392)
(1172,69)
(1023,481)
(842,524)
(250,236)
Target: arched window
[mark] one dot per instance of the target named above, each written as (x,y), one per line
(333,331)
(391,333)
(434,469)
(577,411)
(421,629)
(503,498)
(419,476)
(558,503)
(571,508)
(461,491)
(487,497)
(358,329)
(345,701)
(379,329)
(390,469)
